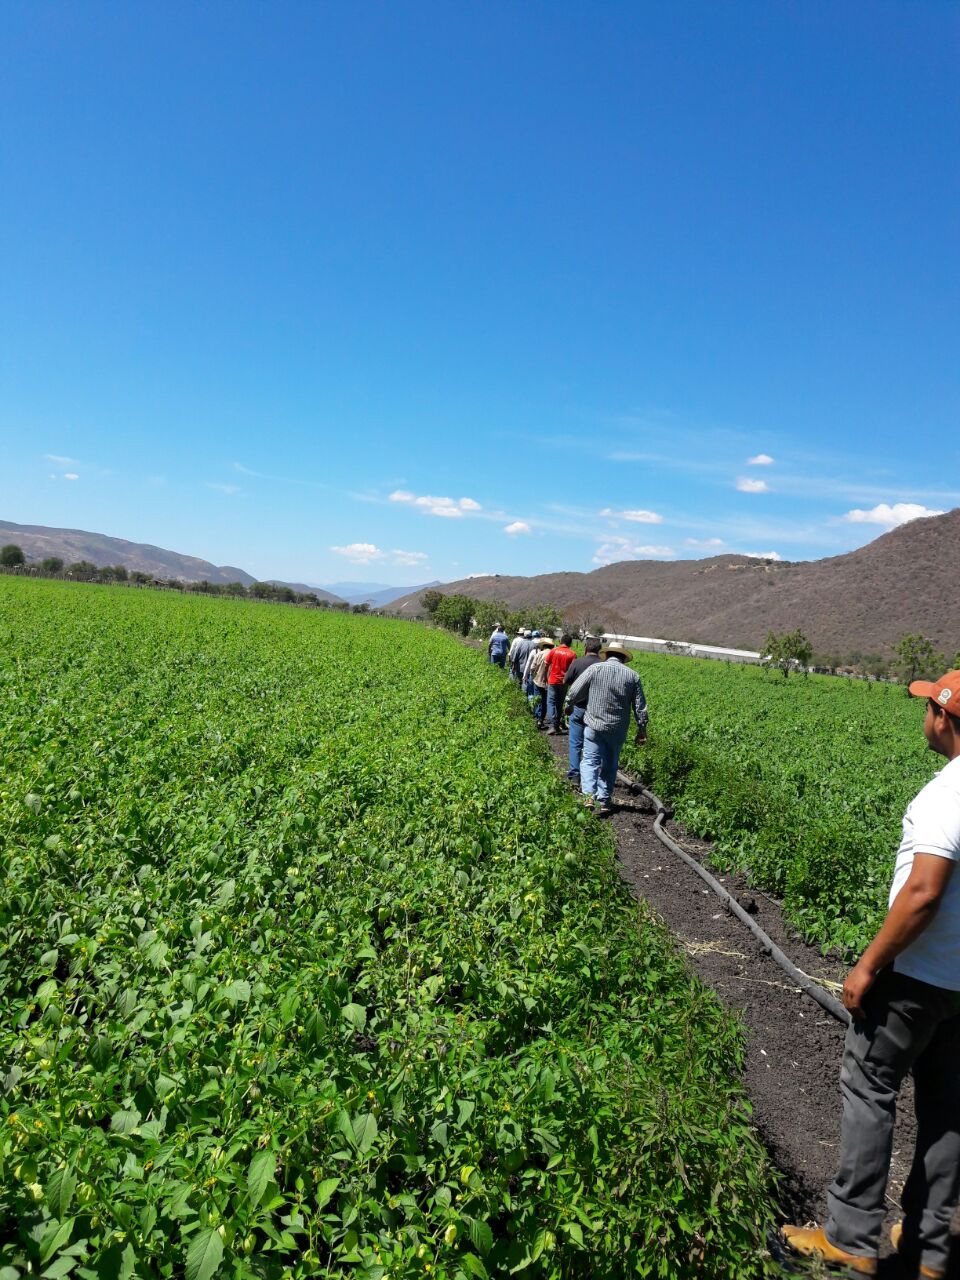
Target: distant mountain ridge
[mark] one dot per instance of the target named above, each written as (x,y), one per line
(864,600)
(39,541)
(374,594)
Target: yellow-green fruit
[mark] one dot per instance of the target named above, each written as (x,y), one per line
(450,1234)
(249,1243)
(36,1191)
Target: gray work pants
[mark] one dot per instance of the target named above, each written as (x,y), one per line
(909,1025)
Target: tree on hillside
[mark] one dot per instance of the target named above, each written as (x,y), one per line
(918,658)
(455,613)
(83,570)
(431,600)
(11,556)
(51,564)
(785,651)
(584,619)
(487,612)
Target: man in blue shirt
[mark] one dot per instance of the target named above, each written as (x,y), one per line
(498,646)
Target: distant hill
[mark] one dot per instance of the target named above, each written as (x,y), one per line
(376,594)
(37,541)
(864,600)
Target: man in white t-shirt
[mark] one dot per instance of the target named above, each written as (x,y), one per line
(903,995)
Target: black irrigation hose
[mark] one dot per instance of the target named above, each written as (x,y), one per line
(807,985)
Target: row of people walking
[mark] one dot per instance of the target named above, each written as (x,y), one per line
(903,994)
(589,698)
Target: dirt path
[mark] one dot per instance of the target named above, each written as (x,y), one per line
(793,1046)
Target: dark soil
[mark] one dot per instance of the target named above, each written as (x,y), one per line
(793,1046)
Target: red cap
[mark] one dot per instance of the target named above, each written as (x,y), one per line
(945,693)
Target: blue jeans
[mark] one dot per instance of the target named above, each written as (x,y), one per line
(499,659)
(576,741)
(555,705)
(598,768)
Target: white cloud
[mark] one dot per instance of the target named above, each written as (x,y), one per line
(760,460)
(360,552)
(434,506)
(245,471)
(638,516)
(891,517)
(70,475)
(518,526)
(616,548)
(409,558)
(763,555)
(746,485)
(60,460)
(705,542)
(228,489)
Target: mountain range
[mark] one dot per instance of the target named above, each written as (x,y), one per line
(863,601)
(38,542)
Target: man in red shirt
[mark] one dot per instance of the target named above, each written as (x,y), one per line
(558,660)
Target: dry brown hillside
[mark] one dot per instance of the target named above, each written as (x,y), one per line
(864,600)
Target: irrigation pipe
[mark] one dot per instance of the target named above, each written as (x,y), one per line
(800,979)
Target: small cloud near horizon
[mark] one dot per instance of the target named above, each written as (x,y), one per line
(746,485)
(409,558)
(760,460)
(613,549)
(891,517)
(518,526)
(704,542)
(434,506)
(638,516)
(217,487)
(61,460)
(369,553)
(762,555)
(70,475)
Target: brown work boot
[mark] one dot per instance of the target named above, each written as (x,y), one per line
(911,1250)
(812,1243)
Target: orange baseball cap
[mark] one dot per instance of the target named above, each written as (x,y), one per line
(945,693)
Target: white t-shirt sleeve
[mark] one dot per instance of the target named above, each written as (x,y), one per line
(935,817)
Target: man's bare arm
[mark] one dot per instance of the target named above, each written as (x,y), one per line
(913,908)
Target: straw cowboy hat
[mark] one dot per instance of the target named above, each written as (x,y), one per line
(545,643)
(614,649)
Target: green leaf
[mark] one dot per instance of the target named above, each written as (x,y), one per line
(365,1131)
(204,1255)
(54,1237)
(325,1192)
(480,1235)
(60,1191)
(574,1231)
(235,991)
(356,1015)
(124,1121)
(261,1171)
(473,1266)
(60,1267)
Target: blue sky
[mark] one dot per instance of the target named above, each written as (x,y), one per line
(399,292)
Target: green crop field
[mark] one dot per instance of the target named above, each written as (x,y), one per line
(310,965)
(801,782)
